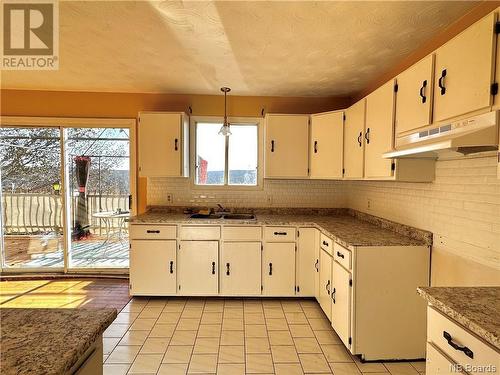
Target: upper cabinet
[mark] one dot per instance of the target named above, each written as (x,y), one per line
(464,71)
(354,127)
(326,147)
(414,96)
(287,146)
(163,144)
(378,135)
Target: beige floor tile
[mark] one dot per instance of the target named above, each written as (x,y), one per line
(284,354)
(320,324)
(211,318)
(311,313)
(230,369)
(301,330)
(255,330)
(345,369)
(257,345)
(419,366)
(209,330)
(232,354)
(259,364)
(192,312)
(214,306)
(377,367)
(150,313)
(254,318)
(162,330)
(291,306)
(327,337)
(403,368)
(178,354)
(157,302)
(233,313)
(155,345)
(126,318)
(276,324)
(188,324)
(183,338)
(314,363)
(173,369)
(233,303)
(123,354)
(280,338)
(142,324)
(336,353)
(203,364)
(206,346)
(115,330)
(232,338)
(115,369)
(134,338)
(288,369)
(146,364)
(307,345)
(296,318)
(274,313)
(169,317)
(108,344)
(230,324)
(174,307)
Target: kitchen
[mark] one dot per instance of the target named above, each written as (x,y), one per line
(177,199)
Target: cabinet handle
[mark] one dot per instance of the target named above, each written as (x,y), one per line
(422,91)
(227,269)
(340,255)
(176,144)
(333,295)
(441,82)
(367,135)
(325,243)
(213,268)
(315,147)
(270,269)
(280,233)
(272,146)
(359,138)
(469,353)
(328,286)
(171,266)
(316,265)
(152,231)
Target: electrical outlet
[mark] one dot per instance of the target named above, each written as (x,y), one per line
(170,198)
(269,199)
(369,203)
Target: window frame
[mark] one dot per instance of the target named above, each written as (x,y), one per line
(255,121)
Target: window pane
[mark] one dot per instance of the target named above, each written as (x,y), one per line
(210,154)
(243,155)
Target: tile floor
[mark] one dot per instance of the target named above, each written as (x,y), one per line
(172,336)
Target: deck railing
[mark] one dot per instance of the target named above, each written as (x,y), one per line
(42,213)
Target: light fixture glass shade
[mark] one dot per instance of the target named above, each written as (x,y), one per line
(225,131)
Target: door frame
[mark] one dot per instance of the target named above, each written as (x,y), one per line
(75,122)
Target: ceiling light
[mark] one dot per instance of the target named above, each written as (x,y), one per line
(225,130)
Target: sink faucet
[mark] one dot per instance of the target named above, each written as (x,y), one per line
(221,208)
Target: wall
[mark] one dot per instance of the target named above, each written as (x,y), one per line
(461,207)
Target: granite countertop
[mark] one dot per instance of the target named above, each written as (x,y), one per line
(349,228)
(48,341)
(476,308)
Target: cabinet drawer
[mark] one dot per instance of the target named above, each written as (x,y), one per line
(326,244)
(443,333)
(158,232)
(279,234)
(342,255)
(242,233)
(195,232)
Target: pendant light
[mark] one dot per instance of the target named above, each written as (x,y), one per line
(224,130)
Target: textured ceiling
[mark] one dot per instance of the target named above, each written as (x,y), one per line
(282,48)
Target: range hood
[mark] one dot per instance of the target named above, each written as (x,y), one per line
(463,137)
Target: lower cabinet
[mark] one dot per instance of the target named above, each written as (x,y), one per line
(153,267)
(341,303)
(308,245)
(241,268)
(438,364)
(198,272)
(278,269)
(325,282)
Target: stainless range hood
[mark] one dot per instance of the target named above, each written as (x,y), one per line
(462,137)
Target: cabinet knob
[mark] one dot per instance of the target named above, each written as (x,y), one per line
(367,136)
(176,144)
(171,266)
(441,82)
(325,243)
(152,231)
(316,265)
(227,269)
(328,286)
(315,147)
(360,138)
(270,269)
(280,233)
(469,353)
(213,268)
(272,146)
(422,91)
(340,255)
(333,295)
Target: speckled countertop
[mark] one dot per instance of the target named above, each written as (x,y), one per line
(48,341)
(348,227)
(476,308)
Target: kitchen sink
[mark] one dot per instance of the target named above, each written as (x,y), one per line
(206,216)
(239,216)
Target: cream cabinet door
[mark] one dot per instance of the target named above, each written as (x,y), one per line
(287,144)
(414,96)
(464,71)
(325,282)
(317,250)
(308,242)
(326,148)
(354,127)
(162,151)
(198,268)
(278,269)
(240,273)
(341,303)
(379,131)
(152,267)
